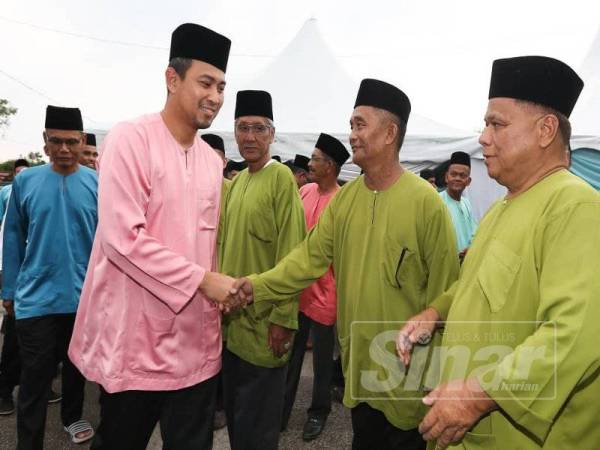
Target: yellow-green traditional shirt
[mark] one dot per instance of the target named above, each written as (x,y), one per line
(261,221)
(530,291)
(393,252)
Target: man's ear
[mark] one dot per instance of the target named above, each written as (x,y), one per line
(548,129)
(172,80)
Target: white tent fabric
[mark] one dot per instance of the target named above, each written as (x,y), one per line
(585,117)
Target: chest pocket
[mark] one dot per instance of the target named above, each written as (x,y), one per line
(403,268)
(497,274)
(261,224)
(207,209)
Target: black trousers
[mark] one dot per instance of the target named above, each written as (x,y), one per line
(186,416)
(373,431)
(323,343)
(253,403)
(10,362)
(43,343)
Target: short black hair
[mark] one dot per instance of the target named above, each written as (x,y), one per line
(181,66)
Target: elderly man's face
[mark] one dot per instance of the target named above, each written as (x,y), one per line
(64,147)
(509,140)
(254,136)
(318,166)
(367,136)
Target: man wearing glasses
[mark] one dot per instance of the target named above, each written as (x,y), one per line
(261,221)
(48,235)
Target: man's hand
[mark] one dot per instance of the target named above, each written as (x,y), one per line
(280,339)
(418,329)
(455,408)
(9,306)
(220,289)
(244,289)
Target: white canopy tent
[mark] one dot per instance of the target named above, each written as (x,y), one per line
(312,93)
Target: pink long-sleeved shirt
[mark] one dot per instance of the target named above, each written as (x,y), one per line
(141,323)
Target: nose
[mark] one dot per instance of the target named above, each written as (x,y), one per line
(352,138)
(484,137)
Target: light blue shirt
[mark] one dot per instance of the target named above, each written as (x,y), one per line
(464,222)
(48,234)
(4,197)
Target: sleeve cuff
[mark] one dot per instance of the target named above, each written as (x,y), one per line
(520,413)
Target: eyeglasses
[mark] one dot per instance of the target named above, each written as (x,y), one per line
(58,142)
(317,159)
(256,129)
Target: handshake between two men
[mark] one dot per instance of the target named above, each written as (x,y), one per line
(232,294)
(229,293)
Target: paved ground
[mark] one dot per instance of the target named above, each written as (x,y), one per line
(337,434)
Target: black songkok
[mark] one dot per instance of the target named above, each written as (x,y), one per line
(538,79)
(301,162)
(380,94)
(214,141)
(90,139)
(193,41)
(333,148)
(59,118)
(460,158)
(254,103)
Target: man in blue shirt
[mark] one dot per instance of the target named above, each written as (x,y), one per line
(48,234)
(458,177)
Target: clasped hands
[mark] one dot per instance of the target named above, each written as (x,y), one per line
(230,294)
(456,406)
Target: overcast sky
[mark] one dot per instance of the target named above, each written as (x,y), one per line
(439,52)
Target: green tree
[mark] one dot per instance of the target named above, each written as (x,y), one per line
(6,110)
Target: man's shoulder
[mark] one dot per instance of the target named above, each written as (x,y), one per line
(143,124)
(31,173)
(88,175)
(308,188)
(566,191)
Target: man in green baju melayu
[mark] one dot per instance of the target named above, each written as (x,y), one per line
(523,316)
(391,242)
(262,219)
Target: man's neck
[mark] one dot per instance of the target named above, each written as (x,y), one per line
(183,133)
(382,175)
(534,178)
(257,165)
(65,171)
(454,195)
(327,185)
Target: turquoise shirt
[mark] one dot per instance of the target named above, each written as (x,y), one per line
(4,196)
(48,234)
(462,218)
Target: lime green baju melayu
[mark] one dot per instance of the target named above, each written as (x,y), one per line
(262,219)
(530,291)
(393,252)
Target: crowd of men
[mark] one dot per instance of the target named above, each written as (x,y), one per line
(183,284)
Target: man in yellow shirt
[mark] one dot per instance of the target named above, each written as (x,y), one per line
(522,320)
